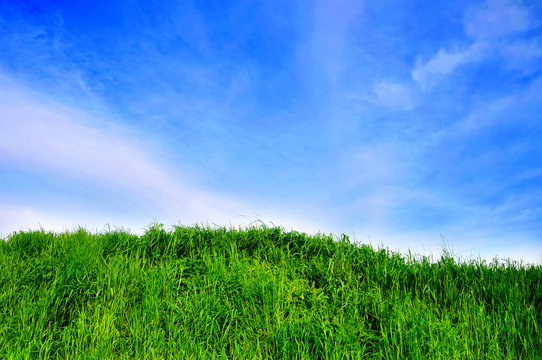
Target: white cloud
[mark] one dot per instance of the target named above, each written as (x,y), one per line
(523,56)
(43,136)
(48,137)
(375,164)
(495,19)
(492,113)
(394,95)
(483,117)
(328,46)
(491,26)
(445,62)
(379,177)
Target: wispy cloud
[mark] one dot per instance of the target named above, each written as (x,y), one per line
(491,26)
(394,95)
(47,137)
(496,19)
(52,138)
(445,62)
(523,56)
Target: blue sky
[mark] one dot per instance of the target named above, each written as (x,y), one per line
(396,123)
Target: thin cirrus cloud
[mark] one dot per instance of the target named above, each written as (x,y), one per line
(394,95)
(46,138)
(51,139)
(491,26)
(445,62)
(496,19)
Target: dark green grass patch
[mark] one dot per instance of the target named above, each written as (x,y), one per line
(258,293)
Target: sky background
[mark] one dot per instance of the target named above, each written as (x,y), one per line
(397,123)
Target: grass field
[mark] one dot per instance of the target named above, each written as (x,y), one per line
(257,293)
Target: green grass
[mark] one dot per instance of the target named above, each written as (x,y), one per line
(258,293)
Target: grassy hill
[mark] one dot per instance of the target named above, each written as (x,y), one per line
(258,293)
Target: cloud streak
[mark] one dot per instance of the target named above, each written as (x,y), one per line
(51,138)
(492,26)
(445,62)
(46,137)
(394,95)
(496,19)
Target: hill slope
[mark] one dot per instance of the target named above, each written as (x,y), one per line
(195,292)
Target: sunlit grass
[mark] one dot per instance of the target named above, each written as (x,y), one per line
(258,293)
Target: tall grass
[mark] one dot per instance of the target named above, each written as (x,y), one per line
(258,293)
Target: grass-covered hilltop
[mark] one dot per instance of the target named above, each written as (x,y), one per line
(257,293)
